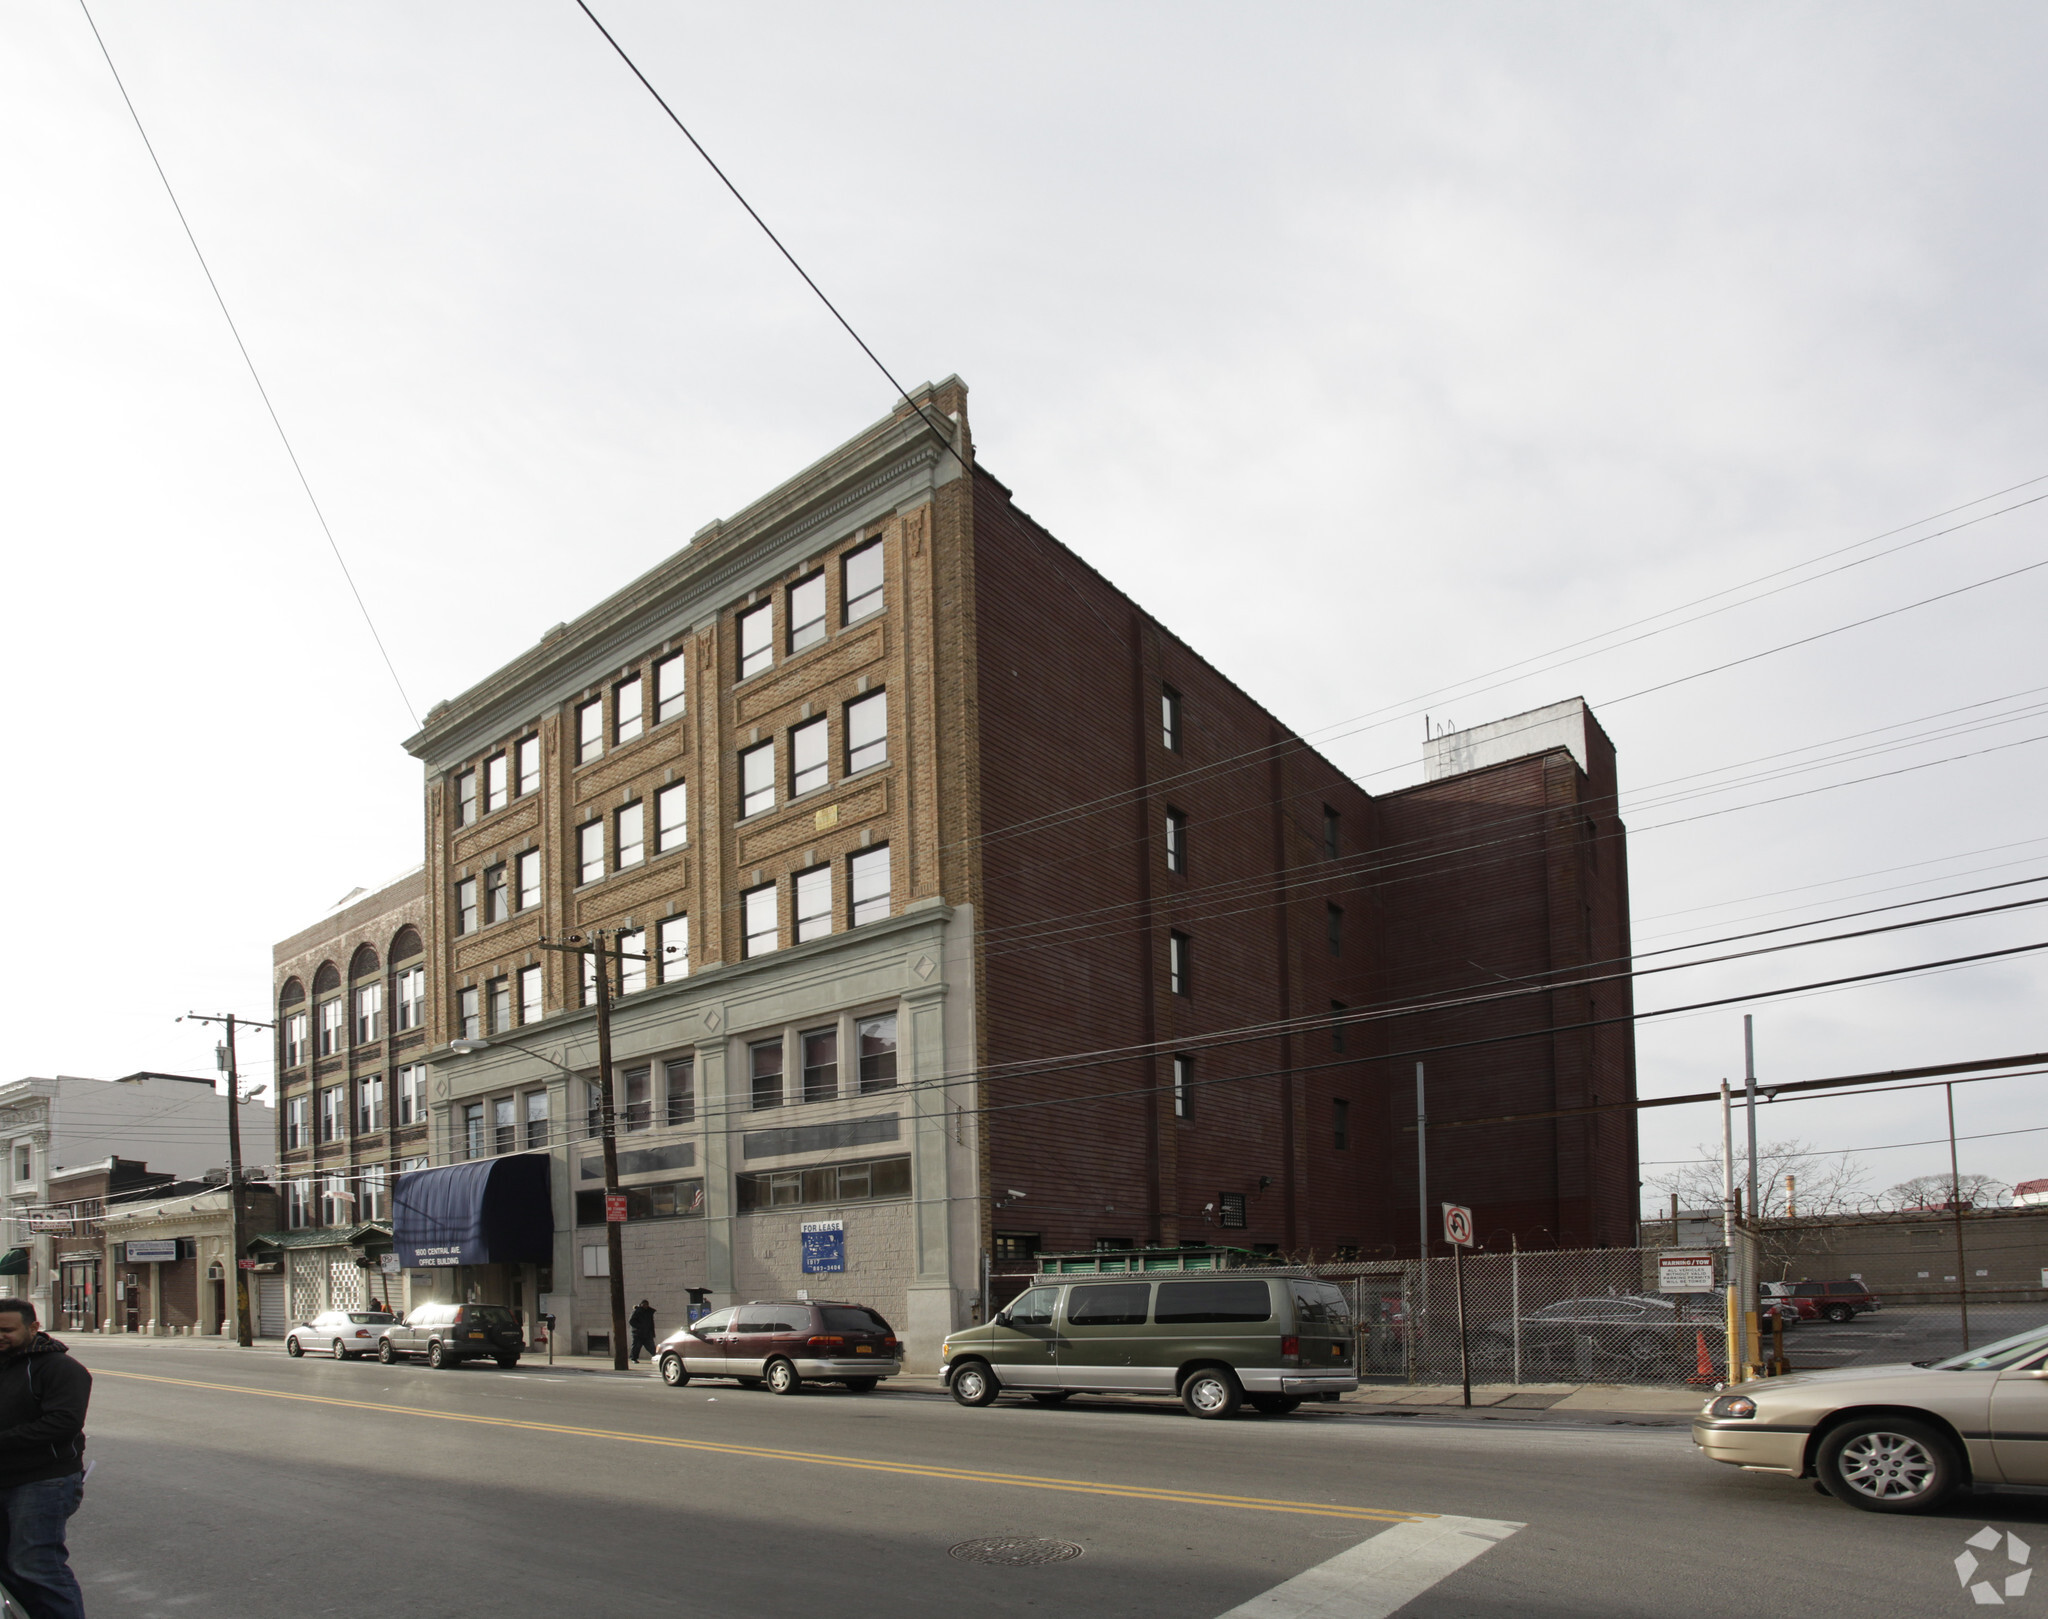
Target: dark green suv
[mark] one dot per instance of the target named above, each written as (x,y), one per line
(449,1334)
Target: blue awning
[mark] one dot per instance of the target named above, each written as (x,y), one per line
(493,1211)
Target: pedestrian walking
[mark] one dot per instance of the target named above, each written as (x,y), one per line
(43,1396)
(641,1322)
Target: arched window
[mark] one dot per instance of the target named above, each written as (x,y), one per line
(326,978)
(292,993)
(406,942)
(363,963)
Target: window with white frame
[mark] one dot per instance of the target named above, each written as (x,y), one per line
(1169,718)
(472,1138)
(674,934)
(636,1111)
(370,1105)
(337,1205)
(411,1010)
(819,1050)
(298,1196)
(504,1124)
(671,816)
(867,731)
(497,894)
(497,789)
(369,1013)
(862,579)
(671,687)
(498,998)
(877,1039)
(536,1119)
(465,798)
(679,1076)
(869,885)
(593,1110)
(807,612)
(589,852)
(1183,1087)
(465,906)
(24,1161)
(627,717)
(469,1016)
(334,1113)
(1177,841)
(412,1094)
(295,1135)
(629,841)
(757,639)
(1179,951)
(761,920)
(813,903)
(807,748)
(526,869)
(757,780)
(298,1030)
(587,963)
(531,994)
(333,1028)
(411,1164)
(376,1193)
(764,1072)
(527,753)
(632,961)
(590,731)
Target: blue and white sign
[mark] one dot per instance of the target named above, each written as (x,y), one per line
(160,1252)
(824,1246)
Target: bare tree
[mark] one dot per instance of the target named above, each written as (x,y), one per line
(1935,1191)
(1821,1182)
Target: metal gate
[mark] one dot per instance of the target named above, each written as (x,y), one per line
(270,1312)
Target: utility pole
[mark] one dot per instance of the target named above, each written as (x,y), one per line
(1421,1204)
(1955,1204)
(244,1335)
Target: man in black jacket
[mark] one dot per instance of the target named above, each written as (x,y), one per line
(43,1396)
(641,1321)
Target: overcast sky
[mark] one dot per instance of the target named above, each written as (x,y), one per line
(1370,347)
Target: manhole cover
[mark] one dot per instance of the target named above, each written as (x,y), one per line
(1014,1551)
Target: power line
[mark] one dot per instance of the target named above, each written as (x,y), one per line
(254,376)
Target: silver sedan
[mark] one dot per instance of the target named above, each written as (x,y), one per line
(344,1334)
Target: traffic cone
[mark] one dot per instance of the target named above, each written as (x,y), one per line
(1704,1377)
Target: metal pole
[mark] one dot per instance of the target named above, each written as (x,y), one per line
(1756,1209)
(243,1335)
(1464,1352)
(1955,1203)
(1421,1201)
(1515,1300)
(608,1118)
(1729,1322)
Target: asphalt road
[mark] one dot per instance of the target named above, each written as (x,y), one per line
(237,1482)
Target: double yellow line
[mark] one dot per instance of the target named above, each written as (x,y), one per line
(954,1475)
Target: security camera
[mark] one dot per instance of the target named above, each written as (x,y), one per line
(1208,1208)
(1013,1192)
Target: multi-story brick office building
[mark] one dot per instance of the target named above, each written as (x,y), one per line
(977,912)
(351,1043)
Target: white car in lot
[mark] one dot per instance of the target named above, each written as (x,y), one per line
(344,1334)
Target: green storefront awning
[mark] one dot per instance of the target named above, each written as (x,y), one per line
(14,1262)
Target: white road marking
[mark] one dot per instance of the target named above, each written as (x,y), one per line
(1377,1577)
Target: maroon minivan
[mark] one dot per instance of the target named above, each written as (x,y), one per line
(785,1343)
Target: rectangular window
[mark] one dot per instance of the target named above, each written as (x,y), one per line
(295,1124)
(297,1195)
(589,851)
(532,995)
(1169,718)
(671,687)
(681,1076)
(630,839)
(762,920)
(333,1028)
(867,731)
(528,867)
(334,1113)
(473,1130)
(757,639)
(638,1113)
(500,1001)
(1179,949)
(1335,921)
(376,1196)
(807,612)
(590,731)
(465,798)
(527,752)
(764,1072)
(1177,841)
(593,1110)
(1019,1245)
(757,780)
(807,747)
(827,1183)
(626,710)
(469,1014)
(412,1094)
(1183,1087)
(862,578)
(497,895)
(497,792)
(868,874)
(663,1200)
(369,1013)
(335,1202)
(370,1105)
(821,1064)
(1230,1213)
(298,1033)
(671,817)
(813,903)
(588,962)
(597,1256)
(412,999)
(465,906)
(674,934)
(877,1037)
(1337,1011)
(1333,825)
(1340,1123)
(536,1119)
(632,961)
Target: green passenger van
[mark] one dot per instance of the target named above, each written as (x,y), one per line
(1217,1341)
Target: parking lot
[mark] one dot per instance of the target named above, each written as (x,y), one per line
(1904,1332)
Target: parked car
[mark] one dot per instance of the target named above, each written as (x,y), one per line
(785,1343)
(1894,1438)
(1639,1330)
(1834,1301)
(449,1334)
(1217,1343)
(344,1334)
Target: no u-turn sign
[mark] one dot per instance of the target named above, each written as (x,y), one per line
(1458,1225)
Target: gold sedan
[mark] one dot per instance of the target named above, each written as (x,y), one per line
(1894,1438)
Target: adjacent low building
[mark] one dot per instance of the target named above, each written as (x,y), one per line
(172,1258)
